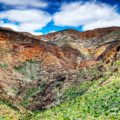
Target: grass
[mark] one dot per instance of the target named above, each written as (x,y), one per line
(8,113)
(8,103)
(91,100)
(99,102)
(74,91)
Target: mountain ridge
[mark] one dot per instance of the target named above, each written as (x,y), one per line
(35,71)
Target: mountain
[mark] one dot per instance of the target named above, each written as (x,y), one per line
(36,71)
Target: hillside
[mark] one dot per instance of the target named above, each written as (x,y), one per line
(92,100)
(49,76)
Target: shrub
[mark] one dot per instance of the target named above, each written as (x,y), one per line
(30,69)
(3,65)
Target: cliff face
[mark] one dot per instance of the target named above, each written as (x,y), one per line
(33,70)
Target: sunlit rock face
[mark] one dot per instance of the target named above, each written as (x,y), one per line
(34,69)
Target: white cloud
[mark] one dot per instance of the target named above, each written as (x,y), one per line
(89,14)
(52,31)
(8,25)
(102,23)
(25,3)
(28,20)
(25,15)
(37,33)
(17,28)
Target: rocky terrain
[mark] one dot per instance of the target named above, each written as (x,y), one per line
(35,71)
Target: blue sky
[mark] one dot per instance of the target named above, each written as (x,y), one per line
(44,16)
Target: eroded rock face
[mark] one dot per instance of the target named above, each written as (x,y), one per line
(35,71)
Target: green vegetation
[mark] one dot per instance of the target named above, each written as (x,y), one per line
(117,32)
(35,90)
(8,103)
(74,91)
(30,69)
(99,102)
(8,113)
(95,99)
(4,118)
(91,100)
(3,65)
(117,63)
(32,91)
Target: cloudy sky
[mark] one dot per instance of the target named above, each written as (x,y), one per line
(43,16)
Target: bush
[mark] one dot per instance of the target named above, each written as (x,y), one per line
(3,65)
(30,69)
(31,92)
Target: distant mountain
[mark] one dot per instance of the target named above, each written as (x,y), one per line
(35,71)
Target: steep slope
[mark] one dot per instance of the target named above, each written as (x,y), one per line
(35,72)
(92,100)
(27,63)
(85,42)
(21,47)
(96,99)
